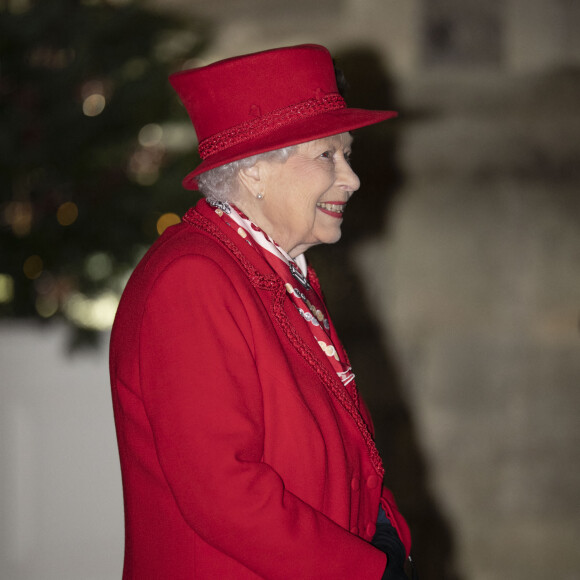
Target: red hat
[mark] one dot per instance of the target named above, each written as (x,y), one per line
(259,102)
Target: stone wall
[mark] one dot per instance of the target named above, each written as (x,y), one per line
(479,287)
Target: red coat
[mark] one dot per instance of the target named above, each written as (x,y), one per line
(241,456)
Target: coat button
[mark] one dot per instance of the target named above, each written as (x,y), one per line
(355,484)
(372,481)
(354,530)
(371,529)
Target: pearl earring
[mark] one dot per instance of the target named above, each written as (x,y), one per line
(260,196)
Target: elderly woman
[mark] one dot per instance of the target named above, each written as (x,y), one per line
(245,449)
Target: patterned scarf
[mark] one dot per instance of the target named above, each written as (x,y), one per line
(294,273)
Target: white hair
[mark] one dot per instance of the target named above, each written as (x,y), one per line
(221,183)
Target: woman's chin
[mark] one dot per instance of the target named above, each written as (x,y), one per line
(332,236)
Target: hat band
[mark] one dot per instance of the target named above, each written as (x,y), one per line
(269,122)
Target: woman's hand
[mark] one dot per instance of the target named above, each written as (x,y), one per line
(387,540)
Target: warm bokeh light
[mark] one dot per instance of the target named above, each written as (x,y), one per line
(94,313)
(98,266)
(18,214)
(179,137)
(93,96)
(6,288)
(67,213)
(32,267)
(94,105)
(45,284)
(150,135)
(46,306)
(144,166)
(166,220)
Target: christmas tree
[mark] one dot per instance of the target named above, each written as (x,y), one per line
(93,145)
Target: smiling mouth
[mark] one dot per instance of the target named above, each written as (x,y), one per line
(335,209)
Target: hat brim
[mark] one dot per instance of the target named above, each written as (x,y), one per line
(302,131)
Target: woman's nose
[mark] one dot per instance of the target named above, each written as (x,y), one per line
(347,177)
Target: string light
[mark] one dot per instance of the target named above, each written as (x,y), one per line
(98,266)
(67,213)
(18,215)
(45,284)
(94,105)
(46,306)
(150,135)
(93,95)
(32,267)
(166,220)
(179,137)
(144,166)
(6,288)
(94,313)
(47,299)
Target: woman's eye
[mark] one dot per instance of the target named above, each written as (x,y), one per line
(327,155)
(348,158)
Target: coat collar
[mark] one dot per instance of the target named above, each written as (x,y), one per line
(262,277)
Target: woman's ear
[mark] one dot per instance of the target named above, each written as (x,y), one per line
(251,178)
